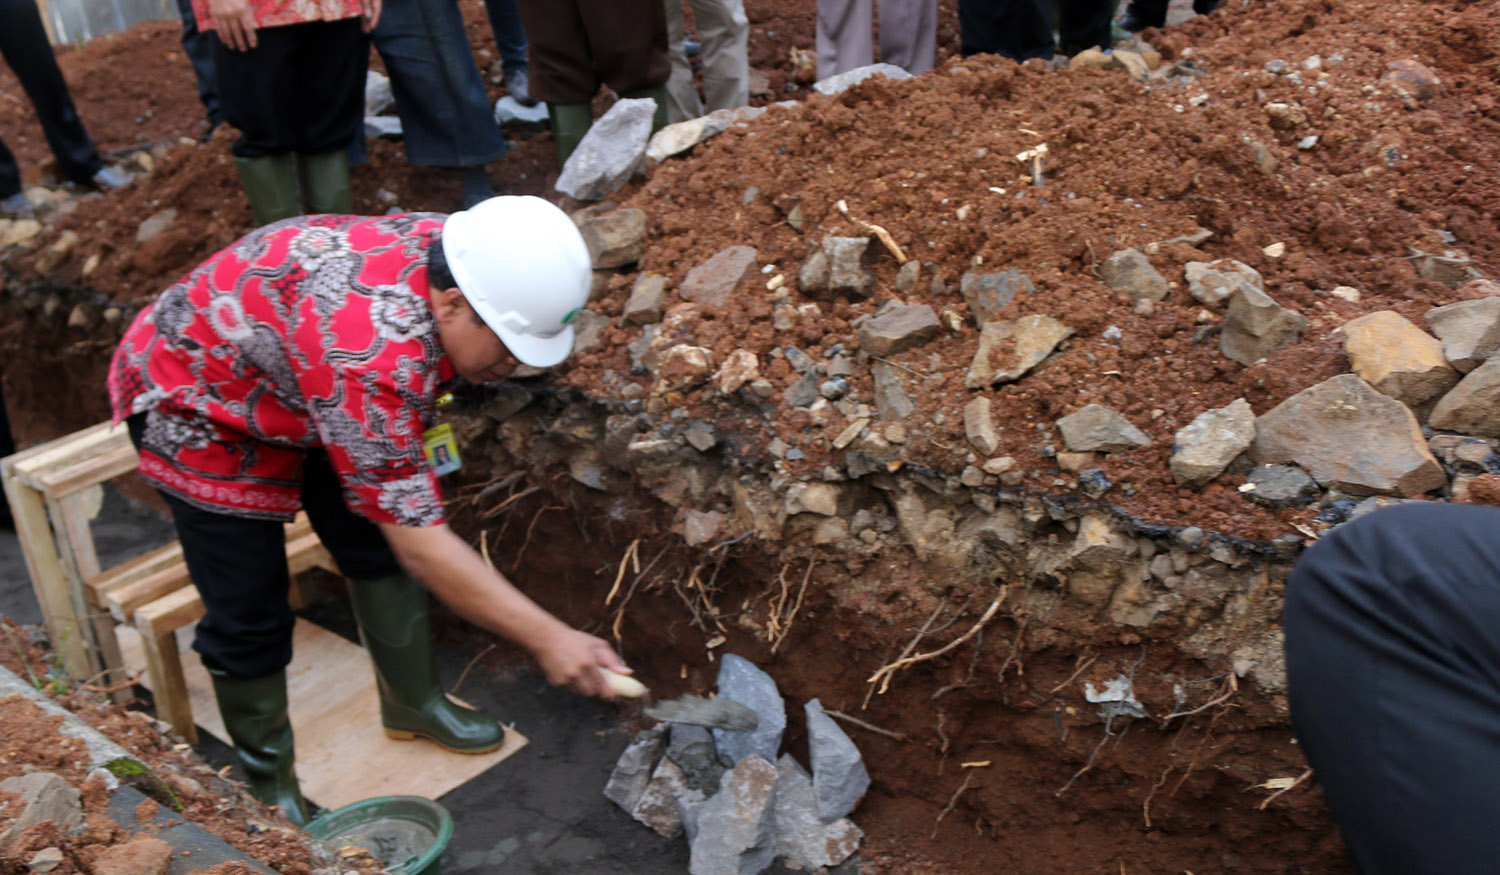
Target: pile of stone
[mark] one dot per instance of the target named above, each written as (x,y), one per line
(740,806)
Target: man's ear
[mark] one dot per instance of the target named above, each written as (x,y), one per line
(449,303)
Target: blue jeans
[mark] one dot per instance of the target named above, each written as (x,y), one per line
(510,35)
(446,117)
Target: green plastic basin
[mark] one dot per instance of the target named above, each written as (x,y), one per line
(407,833)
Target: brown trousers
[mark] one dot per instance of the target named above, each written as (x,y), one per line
(577,45)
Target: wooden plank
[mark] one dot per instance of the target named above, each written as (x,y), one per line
(48,580)
(123,600)
(131,570)
(67,450)
(168,685)
(336,714)
(66,479)
(169,613)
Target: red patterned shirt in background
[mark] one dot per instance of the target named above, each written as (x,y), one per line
(311,332)
(272,13)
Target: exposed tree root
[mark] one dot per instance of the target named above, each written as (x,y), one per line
(1300,778)
(868,727)
(952,801)
(884,674)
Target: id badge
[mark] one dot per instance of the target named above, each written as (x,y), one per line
(441,449)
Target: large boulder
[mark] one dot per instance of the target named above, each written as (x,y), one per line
(1351,438)
(1397,357)
(1469,331)
(1473,406)
(611,152)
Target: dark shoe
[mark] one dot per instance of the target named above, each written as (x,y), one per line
(111,177)
(392,615)
(254,712)
(518,83)
(270,182)
(1205,7)
(324,180)
(570,121)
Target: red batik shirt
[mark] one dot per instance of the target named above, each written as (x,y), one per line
(273,13)
(312,332)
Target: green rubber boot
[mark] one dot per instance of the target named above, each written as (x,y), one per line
(570,121)
(325,183)
(271,184)
(392,615)
(254,712)
(658,94)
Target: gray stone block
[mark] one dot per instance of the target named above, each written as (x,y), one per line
(633,769)
(736,828)
(741,681)
(839,775)
(803,840)
(611,152)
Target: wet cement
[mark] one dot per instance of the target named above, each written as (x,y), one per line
(540,812)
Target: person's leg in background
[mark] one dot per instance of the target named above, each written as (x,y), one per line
(562,71)
(1141,14)
(724,32)
(446,120)
(245,637)
(683,102)
(23,43)
(510,39)
(248,83)
(628,40)
(844,35)
(1083,24)
(392,610)
(1017,29)
(1392,627)
(199,47)
(908,34)
(12,200)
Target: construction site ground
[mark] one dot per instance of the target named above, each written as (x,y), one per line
(1328,144)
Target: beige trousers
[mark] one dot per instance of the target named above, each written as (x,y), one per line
(908,35)
(724,32)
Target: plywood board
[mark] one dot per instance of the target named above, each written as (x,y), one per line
(343,755)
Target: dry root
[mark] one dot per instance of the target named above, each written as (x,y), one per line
(884,674)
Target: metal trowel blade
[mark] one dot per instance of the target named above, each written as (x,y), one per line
(717,713)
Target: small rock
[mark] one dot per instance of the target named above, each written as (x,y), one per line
(701,435)
(979,426)
(803,391)
(906,277)
(848,79)
(891,400)
(818,498)
(735,832)
(852,431)
(1469,331)
(42,796)
(799,360)
(1133,63)
(1205,447)
(657,806)
(742,681)
(611,152)
(1096,428)
(1414,79)
(1473,406)
(998,465)
(614,239)
(20,231)
(142,855)
(702,527)
(1263,158)
(837,267)
(1130,272)
(633,769)
(509,112)
(1351,438)
(1075,462)
(839,776)
(45,860)
(1285,116)
(674,139)
(833,389)
(645,303)
(1281,486)
(1452,270)
(1211,282)
(53,256)
(712,284)
(740,368)
(1397,358)
(1007,350)
(989,293)
(1257,326)
(1346,293)
(1274,250)
(682,367)
(897,329)
(692,749)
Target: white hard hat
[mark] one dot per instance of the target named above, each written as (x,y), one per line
(522,265)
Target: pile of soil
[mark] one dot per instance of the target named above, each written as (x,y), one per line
(29,742)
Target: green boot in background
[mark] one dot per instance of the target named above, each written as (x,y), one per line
(393,624)
(570,121)
(658,94)
(325,183)
(254,712)
(270,182)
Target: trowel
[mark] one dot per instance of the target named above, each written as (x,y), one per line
(695,710)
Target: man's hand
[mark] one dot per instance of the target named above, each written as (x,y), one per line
(235,22)
(370,13)
(572,659)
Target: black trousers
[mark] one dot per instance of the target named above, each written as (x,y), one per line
(1153,13)
(1022,29)
(302,89)
(23,43)
(239,567)
(1393,664)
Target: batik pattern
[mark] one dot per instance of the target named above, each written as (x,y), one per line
(311,332)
